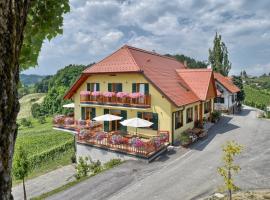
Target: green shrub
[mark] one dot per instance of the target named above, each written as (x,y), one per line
(184,137)
(215,115)
(41,120)
(112,163)
(36,110)
(26,123)
(51,154)
(83,168)
(95,167)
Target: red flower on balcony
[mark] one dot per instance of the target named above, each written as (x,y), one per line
(108,94)
(122,94)
(96,93)
(85,93)
(136,95)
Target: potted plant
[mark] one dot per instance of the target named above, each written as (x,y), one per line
(185,139)
(215,116)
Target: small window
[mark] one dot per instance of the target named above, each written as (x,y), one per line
(207,107)
(140,87)
(92,87)
(178,119)
(189,115)
(115,87)
(219,100)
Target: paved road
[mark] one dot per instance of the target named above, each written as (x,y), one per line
(187,174)
(45,183)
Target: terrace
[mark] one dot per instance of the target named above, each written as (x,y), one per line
(91,133)
(116,99)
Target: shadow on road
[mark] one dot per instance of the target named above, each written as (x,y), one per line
(245,111)
(221,127)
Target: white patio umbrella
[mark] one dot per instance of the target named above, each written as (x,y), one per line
(136,122)
(70,105)
(107,117)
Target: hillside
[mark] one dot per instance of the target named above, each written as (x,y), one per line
(191,62)
(27,101)
(30,79)
(256,97)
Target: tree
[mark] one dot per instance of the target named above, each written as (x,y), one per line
(191,62)
(237,80)
(218,57)
(230,150)
(24,25)
(21,167)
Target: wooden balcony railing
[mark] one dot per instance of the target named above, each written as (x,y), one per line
(141,101)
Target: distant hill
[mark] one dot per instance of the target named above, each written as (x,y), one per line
(26,103)
(30,79)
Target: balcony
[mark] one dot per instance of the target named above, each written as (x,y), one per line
(91,133)
(116,99)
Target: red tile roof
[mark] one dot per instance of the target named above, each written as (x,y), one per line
(199,81)
(157,69)
(226,82)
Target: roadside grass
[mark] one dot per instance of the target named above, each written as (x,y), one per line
(47,149)
(106,167)
(27,101)
(259,194)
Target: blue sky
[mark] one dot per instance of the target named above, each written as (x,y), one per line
(95,28)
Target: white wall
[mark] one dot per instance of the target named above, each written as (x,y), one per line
(227,98)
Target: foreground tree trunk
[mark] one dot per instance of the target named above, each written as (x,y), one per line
(24,190)
(13,15)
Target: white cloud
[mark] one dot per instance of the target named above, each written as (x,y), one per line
(95,28)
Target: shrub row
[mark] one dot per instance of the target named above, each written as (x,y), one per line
(51,154)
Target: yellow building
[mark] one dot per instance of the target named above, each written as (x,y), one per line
(133,82)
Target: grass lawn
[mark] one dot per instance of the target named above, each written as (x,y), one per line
(27,101)
(48,149)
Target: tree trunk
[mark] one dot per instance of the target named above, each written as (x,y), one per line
(12,22)
(24,190)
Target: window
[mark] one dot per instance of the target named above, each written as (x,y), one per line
(92,87)
(115,87)
(233,98)
(219,100)
(152,117)
(207,107)
(140,87)
(189,114)
(88,113)
(178,119)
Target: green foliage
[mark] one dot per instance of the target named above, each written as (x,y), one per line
(215,115)
(21,164)
(184,138)
(44,21)
(43,85)
(191,63)
(230,150)
(218,56)
(237,80)
(256,98)
(41,120)
(26,123)
(42,143)
(82,168)
(87,165)
(57,87)
(112,163)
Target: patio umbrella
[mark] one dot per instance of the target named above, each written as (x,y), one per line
(107,117)
(70,105)
(136,122)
